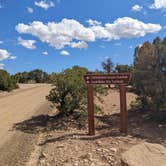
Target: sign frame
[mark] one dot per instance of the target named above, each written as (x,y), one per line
(121,79)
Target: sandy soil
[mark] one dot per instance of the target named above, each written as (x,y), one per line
(22,87)
(16,107)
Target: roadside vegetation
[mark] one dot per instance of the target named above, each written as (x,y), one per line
(34,76)
(150,75)
(7,82)
(70,91)
(149,80)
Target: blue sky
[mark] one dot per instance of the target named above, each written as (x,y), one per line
(55,34)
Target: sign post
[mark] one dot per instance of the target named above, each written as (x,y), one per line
(123,109)
(121,79)
(91,110)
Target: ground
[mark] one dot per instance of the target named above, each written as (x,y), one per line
(19,105)
(71,146)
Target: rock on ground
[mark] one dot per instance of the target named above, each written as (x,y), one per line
(145,154)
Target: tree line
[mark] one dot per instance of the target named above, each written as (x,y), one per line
(34,76)
(9,82)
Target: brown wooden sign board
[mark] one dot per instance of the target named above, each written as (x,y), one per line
(112,78)
(121,79)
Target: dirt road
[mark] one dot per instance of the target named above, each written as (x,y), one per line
(19,106)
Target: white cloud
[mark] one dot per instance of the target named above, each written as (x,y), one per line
(127,27)
(80,44)
(59,34)
(1,6)
(29,9)
(137,8)
(27,43)
(100,32)
(45,53)
(158,4)
(1,42)
(65,53)
(13,57)
(70,32)
(2,66)
(93,22)
(4,54)
(45,4)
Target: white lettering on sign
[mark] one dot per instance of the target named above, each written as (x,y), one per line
(113,78)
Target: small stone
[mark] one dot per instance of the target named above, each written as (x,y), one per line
(98,142)
(60,146)
(90,157)
(41,161)
(113,150)
(160,126)
(99,150)
(105,150)
(76,163)
(85,160)
(144,116)
(42,156)
(110,154)
(92,164)
(47,164)
(110,158)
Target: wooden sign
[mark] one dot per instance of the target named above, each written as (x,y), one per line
(121,79)
(112,78)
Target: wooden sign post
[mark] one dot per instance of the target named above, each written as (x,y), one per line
(121,79)
(123,109)
(91,110)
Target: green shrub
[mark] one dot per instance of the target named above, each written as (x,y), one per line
(70,91)
(21,77)
(124,68)
(52,78)
(7,83)
(38,76)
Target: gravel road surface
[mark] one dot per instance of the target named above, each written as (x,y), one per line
(16,107)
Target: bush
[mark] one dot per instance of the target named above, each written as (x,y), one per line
(150,73)
(52,78)
(124,68)
(70,91)
(36,76)
(7,83)
(21,77)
